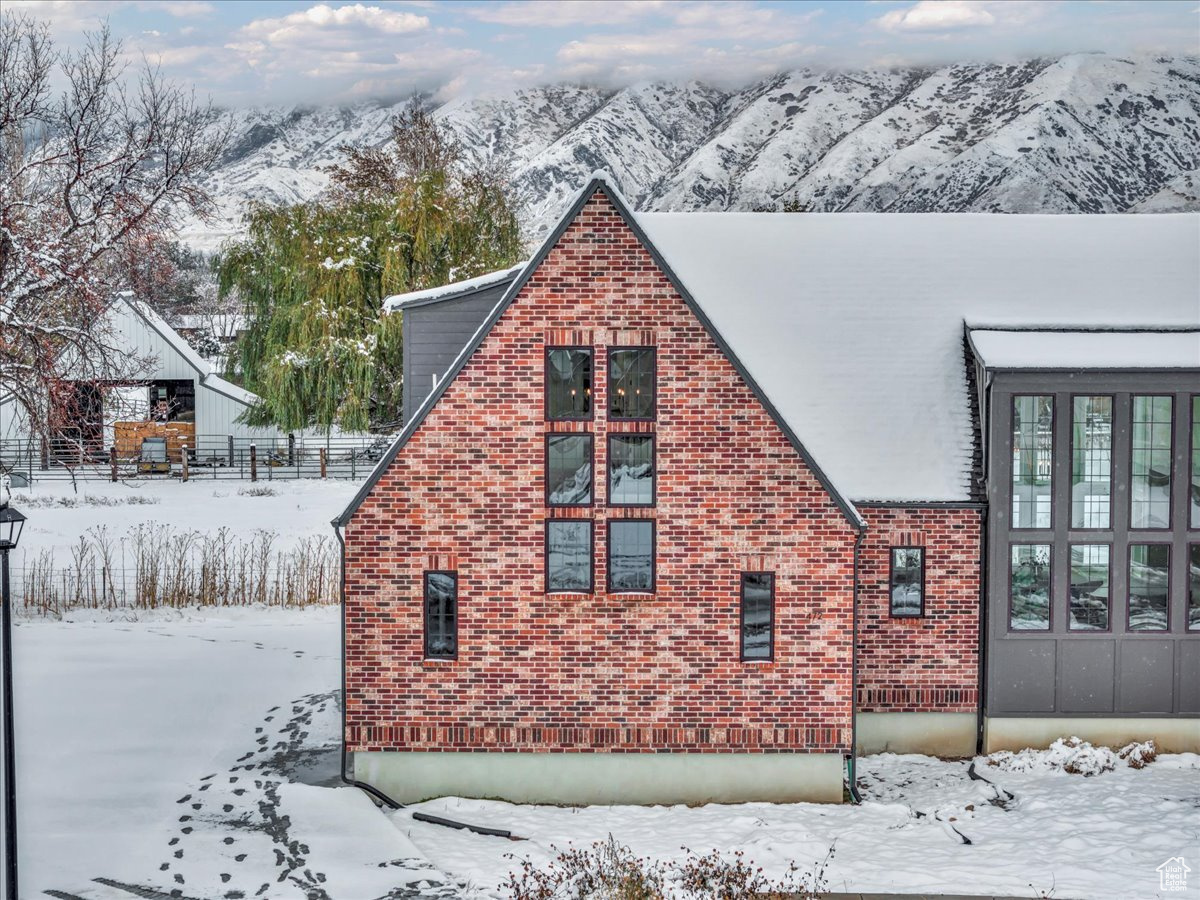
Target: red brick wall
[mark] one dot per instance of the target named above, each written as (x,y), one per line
(928,664)
(538,672)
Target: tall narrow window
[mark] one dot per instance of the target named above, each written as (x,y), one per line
(569,383)
(1150,484)
(907,581)
(631,388)
(1091,462)
(1089,587)
(1193,623)
(1029,588)
(441,615)
(1033,461)
(1149,586)
(758,615)
(569,555)
(568,469)
(631,470)
(631,556)
(1195,492)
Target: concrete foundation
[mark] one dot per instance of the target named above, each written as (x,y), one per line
(934,734)
(1014,733)
(603,778)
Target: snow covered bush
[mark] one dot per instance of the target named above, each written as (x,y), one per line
(1075,757)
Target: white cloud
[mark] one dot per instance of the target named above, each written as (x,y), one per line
(317,21)
(564,13)
(931,16)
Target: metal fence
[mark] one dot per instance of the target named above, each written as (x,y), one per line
(206,456)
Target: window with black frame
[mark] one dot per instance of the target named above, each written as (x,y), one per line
(631,470)
(631,556)
(441,615)
(758,615)
(1149,585)
(569,383)
(907,582)
(631,388)
(568,469)
(569,555)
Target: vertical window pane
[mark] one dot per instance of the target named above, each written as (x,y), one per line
(1091,462)
(1150,486)
(1149,586)
(441,614)
(908,581)
(1033,461)
(569,469)
(569,555)
(1195,492)
(568,383)
(630,555)
(631,384)
(631,470)
(1194,588)
(1089,587)
(758,613)
(1030,588)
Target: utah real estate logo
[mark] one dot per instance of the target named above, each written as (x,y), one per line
(1172,875)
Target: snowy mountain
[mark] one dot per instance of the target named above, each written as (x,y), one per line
(1082,133)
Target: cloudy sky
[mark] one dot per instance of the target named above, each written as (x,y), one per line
(252,52)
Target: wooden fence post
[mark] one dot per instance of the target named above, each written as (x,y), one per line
(184,459)
(230,437)
(253,463)
(323,459)
(112,461)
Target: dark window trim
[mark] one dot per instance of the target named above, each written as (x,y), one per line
(1171,472)
(1112,469)
(1129,584)
(1012,404)
(546,469)
(591,414)
(1187,590)
(770,657)
(1111,545)
(1193,466)
(608,382)
(892,614)
(1050,580)
(653,557)
(608,470)
(425,612)
(591,589)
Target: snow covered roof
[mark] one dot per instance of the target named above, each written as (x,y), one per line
(1073,350)
(852,324)
(452,290)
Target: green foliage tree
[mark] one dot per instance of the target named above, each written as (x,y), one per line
(312,276)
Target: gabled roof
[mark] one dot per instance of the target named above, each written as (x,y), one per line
(453,291)
(1061,349)
(598,182)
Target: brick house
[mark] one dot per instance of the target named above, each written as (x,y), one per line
(698,505)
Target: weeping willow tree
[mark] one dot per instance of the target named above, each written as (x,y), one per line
(312,276)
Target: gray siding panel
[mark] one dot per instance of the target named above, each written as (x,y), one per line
(1027,682)
(434,335)
(1147,676)
(1087,672)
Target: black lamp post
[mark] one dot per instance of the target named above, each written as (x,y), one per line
(11,523)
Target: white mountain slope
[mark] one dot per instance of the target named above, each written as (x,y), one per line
(1083,133)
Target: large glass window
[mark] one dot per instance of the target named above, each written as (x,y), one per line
(1149,586)
(907,580)
(569,555)
(1193,622)
(631,470)
(631,555)
(1091,462)
(1029,588)
(1150,482)
(1195,492)
(441,615)
(758,615)
(1089,596)
(631,374)
(1033,461)
(569,383)
(568,469)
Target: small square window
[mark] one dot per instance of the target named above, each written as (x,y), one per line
(631,470)
(758,615)
(568,470)
(569,383)
(631,556)
(569,555)
(441,615)
(631,388)
(907,582)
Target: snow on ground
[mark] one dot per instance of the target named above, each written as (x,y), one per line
(197,751)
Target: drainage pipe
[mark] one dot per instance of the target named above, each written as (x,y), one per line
(852,772)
